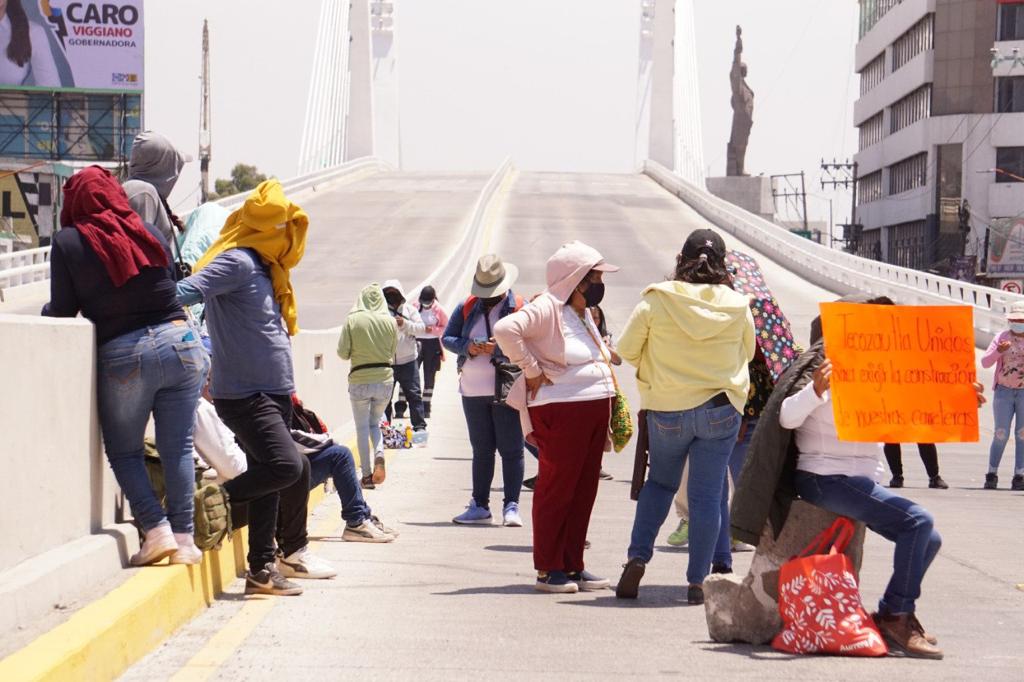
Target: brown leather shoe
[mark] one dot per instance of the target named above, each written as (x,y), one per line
(903,633)
(932,639)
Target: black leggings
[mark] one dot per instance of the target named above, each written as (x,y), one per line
(929,455)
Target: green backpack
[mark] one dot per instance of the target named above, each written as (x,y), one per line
(212,514)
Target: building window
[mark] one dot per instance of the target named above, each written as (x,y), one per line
(870,245)
(873,74)
(1010,94)
(911,109)
(912,43)
(873,10)
(908,174)
(908,244)
(1009,160)
(870,131)
(1011,22)
(869,188)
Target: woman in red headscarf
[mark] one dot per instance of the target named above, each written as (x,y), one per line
(113,269)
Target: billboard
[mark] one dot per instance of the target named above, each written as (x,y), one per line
(1006,248)
(67,44)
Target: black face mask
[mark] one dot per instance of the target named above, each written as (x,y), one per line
(594,294)
(492,301)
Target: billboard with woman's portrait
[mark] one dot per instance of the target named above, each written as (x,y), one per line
(68,44)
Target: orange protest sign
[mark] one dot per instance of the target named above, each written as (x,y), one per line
(902,374)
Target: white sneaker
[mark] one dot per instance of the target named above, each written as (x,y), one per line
(511,515)
(158,545)
(187,552)
(387,530)
(366,531)
(304,564)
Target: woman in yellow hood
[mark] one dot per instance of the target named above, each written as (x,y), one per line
(690,340)
(250,311)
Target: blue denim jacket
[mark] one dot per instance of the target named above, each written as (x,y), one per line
(456,335)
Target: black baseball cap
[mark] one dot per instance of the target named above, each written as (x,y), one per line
(704,241)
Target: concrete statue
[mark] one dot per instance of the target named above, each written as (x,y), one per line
(742,111)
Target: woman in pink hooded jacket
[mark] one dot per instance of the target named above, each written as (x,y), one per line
(564,400)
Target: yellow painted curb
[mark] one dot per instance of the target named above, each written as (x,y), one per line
(104,638)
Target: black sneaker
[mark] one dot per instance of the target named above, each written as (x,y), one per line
(629,583)
(1017,483)
(367,483)
(694,595)
(589,582)
(530,483)
(721,568)
(896,482)
(270,581)
(991,481)
(937,482)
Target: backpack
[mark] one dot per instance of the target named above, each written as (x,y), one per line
(305,419)
(467,306)
(211,513)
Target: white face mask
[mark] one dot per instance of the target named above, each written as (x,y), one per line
(1017,327)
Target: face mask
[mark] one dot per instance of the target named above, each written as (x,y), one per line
(594,294)
(425,303)
(492,301)
(1017,327)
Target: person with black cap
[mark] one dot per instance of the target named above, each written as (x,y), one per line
(691,339)
(435,319)
(492,424)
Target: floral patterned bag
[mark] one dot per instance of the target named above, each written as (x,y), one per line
(621,425)
(819,601)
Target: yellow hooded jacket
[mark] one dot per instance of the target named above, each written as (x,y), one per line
(275,228)
(689,342)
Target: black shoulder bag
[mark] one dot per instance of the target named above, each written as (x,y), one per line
(505,372)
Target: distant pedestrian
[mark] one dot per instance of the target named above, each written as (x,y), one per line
(369,338)
(565,400)
(435,319)
(929,456)
(251,311)
(113,269)
(493,425)
(691,340)
(407,375)
(1006,352)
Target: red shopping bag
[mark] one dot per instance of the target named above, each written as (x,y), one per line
(819,601)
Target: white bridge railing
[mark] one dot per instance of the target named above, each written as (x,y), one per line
(33,265)
(838,271)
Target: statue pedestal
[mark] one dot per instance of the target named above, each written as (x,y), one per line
(752,193)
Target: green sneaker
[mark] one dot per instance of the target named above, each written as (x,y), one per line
(681,536)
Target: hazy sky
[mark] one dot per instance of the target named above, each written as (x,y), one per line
(552,83)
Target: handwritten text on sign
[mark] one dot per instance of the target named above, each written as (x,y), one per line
(902,374)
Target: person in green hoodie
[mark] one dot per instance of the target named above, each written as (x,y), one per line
(690,339)
(369,340)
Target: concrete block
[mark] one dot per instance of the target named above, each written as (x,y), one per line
(751,193)
(746,609)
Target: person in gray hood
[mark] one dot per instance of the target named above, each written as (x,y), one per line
(153,170)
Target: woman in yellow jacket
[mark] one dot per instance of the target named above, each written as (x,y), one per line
(690,339)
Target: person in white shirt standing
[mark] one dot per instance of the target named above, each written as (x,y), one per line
(407,375)
(843,477)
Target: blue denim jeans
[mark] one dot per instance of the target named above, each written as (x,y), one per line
(723,548)
(368,404)
(494,427)
(338,463)
(1007,405)
(160,371)
(895,518)
(704,436)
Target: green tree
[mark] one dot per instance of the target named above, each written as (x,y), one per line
(243,178)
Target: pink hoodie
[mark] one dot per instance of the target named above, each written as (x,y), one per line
(992,356)
(532,337)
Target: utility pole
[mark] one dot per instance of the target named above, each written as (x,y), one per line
(205,140)
(844,175)
(791,192)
